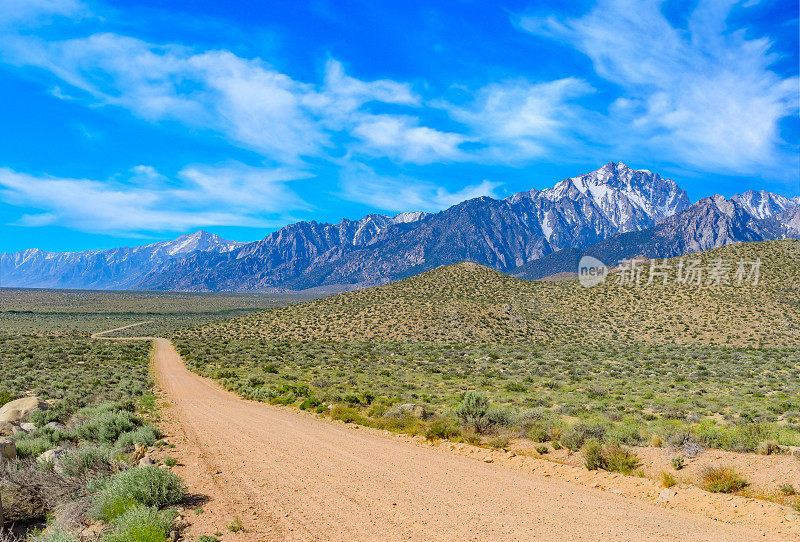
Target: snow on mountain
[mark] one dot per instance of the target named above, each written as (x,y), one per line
(762,204)
(614,203)
(114,268)
(629,199)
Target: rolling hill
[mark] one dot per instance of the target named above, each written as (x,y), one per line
(467,302)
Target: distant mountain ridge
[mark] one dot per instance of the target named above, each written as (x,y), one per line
(116,268)
(637,207)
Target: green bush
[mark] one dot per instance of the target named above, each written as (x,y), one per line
(144,435)
(442,428)
(678,462)
(619,459)
(53,536)
(580,433)
(106,426)
(593,456)
(149,486)
(472,410)
(141,524)
(347,415)
(722,480)
(86,460)
(613,458)
(32,446)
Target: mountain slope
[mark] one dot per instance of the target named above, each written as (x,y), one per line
(501,234)
(471,303)
(117,268)
(711,222)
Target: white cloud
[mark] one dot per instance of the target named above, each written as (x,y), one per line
(361,184)
(233,194)
(703,96)
(401,138)
(246,100)
(520,120)
(36,12)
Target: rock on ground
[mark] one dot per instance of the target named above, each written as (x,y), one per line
(20,410)
(8,450)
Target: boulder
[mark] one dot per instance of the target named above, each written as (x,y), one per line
(54,456)
(27,427)
(20,410)
(146,461)
(56,426)
(8,450)
(7,429)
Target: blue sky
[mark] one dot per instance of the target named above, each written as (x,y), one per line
(130,122)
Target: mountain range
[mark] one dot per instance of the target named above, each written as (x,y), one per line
(614,212)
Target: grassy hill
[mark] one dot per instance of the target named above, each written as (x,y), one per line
(634,364)
(469,303)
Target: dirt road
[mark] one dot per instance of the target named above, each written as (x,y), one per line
(291,476)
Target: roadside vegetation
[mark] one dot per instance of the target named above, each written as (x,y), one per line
(467,354)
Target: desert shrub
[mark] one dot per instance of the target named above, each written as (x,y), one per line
(619,459)
(106,426)
(500,417)
(86,461)
(472,410)
(593,456)
(149,486)
(787,489)
(310,403)
(541,450)
(686,443)
(442,428)
(144,435)
(768,447)
(580,433)
(629,433)
(678,462)
(722,480)
(236,525)
(53,535)
(141,524)
(347,415)
(667,479)
(498,442)
(30,489)
(5,397)
(32,446)
(613,458)
(207,538)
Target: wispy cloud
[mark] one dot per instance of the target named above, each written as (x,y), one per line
(362,184)
(232,194)
(520,120)
(703,95)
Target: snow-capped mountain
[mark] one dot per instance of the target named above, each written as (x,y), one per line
(710,223)
(117,268)
(615,207)
(761,204)
(629,199)
(503,234)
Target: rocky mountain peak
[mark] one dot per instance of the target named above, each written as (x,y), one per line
(763,204)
